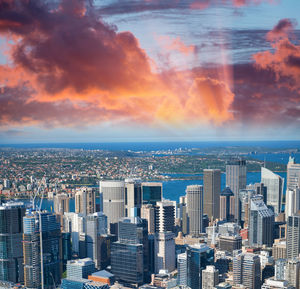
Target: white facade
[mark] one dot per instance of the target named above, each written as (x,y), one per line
(113,194)
(194,198)
(210,277)
(274,184)
(164,252)
(182,269)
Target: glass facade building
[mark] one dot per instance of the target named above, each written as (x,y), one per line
(198,257)
(11,252)
(51,247)
(151,193)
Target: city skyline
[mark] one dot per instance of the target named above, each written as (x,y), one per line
(149,70)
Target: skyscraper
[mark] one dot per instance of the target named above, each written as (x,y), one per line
(227,205)
(133,197)
(148,213)
(11,253)
(292,203)
(129,255)
(96,224)
(293,174)
(274,184)
(236,179)
(292,272)
(85,201)
(210,277)
(198,257)
(194,197)
(164,251)
(50,246)
(61,203)
(151,193)
(261,223)
(182,269)
(212,191)
(246,270)
(164,216)
(293,236)
(113,196)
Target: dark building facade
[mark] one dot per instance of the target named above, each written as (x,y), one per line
(198,257)
(11,251)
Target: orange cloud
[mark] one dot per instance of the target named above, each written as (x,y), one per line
(284,61)
(176,44)
(71,68)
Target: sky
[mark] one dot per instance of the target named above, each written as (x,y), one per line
(149,70)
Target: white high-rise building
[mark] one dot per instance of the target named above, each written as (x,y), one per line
(96,224)
(182,269)
(292,271)
(293,174)
(210,277)
(113,196)
(75,224)
(292,203)
(274,184)
(164,252)
(194,199)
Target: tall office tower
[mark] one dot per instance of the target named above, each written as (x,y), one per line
(194,199)
(261,223)
(293,174)
(236,180)
(61,203)
(50,246)
(293,236)
(274,184)
(292,203)
(227,205)
(246,270)
(164,216)
(129,255)
(80,268)
(198,257)
(245,197)
(251,271)
(11,253)
(151,193)
(237,264)
(164,252)
(210,277)
(113,194)
(211,192)
(148,213)
(104,251)
(292,271)
(182,269)
(66,249)
(133,198)
(76,225)
(280,265)
(96,224)
(85,201)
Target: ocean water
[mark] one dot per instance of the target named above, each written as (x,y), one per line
(155,146)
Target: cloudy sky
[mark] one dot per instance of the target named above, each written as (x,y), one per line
(148,70)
